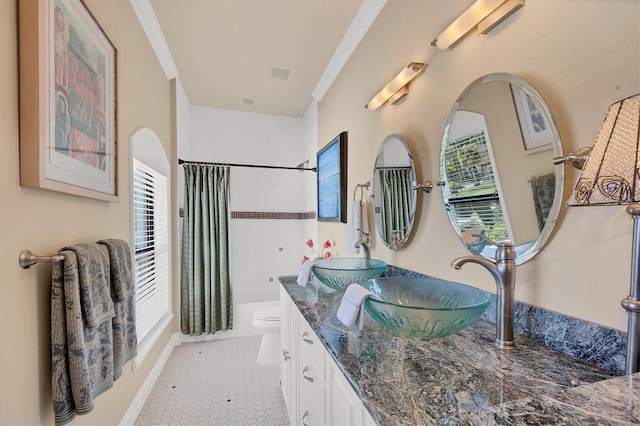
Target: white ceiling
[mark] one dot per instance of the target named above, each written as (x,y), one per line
(224,50)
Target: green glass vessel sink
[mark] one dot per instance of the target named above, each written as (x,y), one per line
(337,273)
(425,308)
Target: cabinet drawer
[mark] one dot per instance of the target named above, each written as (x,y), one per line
(311,380)
(310,413)
(311,350)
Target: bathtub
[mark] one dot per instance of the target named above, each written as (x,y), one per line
(245,303)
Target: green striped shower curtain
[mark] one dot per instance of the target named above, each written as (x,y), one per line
(206,300)
(396,202)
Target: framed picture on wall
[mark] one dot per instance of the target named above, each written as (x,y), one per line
(536,131)
(68,123)
(332,180)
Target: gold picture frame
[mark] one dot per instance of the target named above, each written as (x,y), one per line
(68,110)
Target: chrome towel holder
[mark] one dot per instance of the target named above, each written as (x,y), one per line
(362,187)
(28,259)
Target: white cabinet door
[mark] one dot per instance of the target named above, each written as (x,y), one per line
(343,405)
(289,352)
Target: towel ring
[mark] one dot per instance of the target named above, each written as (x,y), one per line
(362,187)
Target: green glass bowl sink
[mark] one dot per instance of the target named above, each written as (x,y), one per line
(425,308)
(337,273)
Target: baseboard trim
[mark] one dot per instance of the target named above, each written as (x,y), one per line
(138,402)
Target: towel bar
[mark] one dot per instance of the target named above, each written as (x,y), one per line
(28,259)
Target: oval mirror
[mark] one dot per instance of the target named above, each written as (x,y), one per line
(394,200)
(496,166)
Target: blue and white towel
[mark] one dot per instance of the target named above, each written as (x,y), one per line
(125,340)
(94,282)
(81,355)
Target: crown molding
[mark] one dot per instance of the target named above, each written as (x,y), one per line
(366,14)
(151,27)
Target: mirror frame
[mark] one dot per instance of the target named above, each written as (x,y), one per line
(375,192)
(546,231)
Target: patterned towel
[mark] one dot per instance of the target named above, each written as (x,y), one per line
(93,276)
(122,286)
(81,356)
(125,340)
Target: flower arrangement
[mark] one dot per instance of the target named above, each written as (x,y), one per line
(314,254)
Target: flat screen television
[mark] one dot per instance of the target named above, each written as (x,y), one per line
(332,180)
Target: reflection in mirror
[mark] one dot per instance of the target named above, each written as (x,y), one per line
(496,163)
(394,200)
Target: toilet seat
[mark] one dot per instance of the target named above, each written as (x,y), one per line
(267,314)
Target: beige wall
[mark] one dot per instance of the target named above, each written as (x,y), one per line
(45,221)
(581,56)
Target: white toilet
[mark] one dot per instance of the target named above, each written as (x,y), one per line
(267,321)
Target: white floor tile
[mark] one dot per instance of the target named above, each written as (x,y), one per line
(216,383)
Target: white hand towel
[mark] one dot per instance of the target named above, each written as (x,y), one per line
(364,218)
(304,276)
(351,310)
(354,224)
(359,220)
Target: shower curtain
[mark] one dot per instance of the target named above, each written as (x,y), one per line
(396,202)
(206,305)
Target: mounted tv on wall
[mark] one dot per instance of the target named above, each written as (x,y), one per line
(332,180)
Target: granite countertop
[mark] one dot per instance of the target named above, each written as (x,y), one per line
(464,378)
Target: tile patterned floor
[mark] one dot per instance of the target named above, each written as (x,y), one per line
(216,383)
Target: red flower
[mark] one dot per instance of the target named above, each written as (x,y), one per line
(304,259)
(314,254)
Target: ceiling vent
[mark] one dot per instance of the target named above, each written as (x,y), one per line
(280,73)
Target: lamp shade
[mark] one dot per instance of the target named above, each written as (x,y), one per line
(611,172)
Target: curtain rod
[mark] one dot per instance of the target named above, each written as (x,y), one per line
(313,169)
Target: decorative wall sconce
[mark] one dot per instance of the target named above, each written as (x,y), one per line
(397,88)
(610,177)
(576,159)
(483,14)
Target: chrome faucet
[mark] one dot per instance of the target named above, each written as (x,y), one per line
(364,243)
(365,249)
(503,271)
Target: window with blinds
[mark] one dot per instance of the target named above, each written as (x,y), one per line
(151,247)
(470,192)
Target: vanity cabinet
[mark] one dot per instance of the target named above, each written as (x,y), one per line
(343,405)
(288,360)
(314,388)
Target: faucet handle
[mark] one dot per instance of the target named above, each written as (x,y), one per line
(482,236)
(366,236)
(504,249)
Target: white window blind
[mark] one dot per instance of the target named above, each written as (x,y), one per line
(151,247)
(484,213)
(473,200)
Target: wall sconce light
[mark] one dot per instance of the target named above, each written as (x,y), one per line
(397,88)
(483,14)
(610,177)
(576,159)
